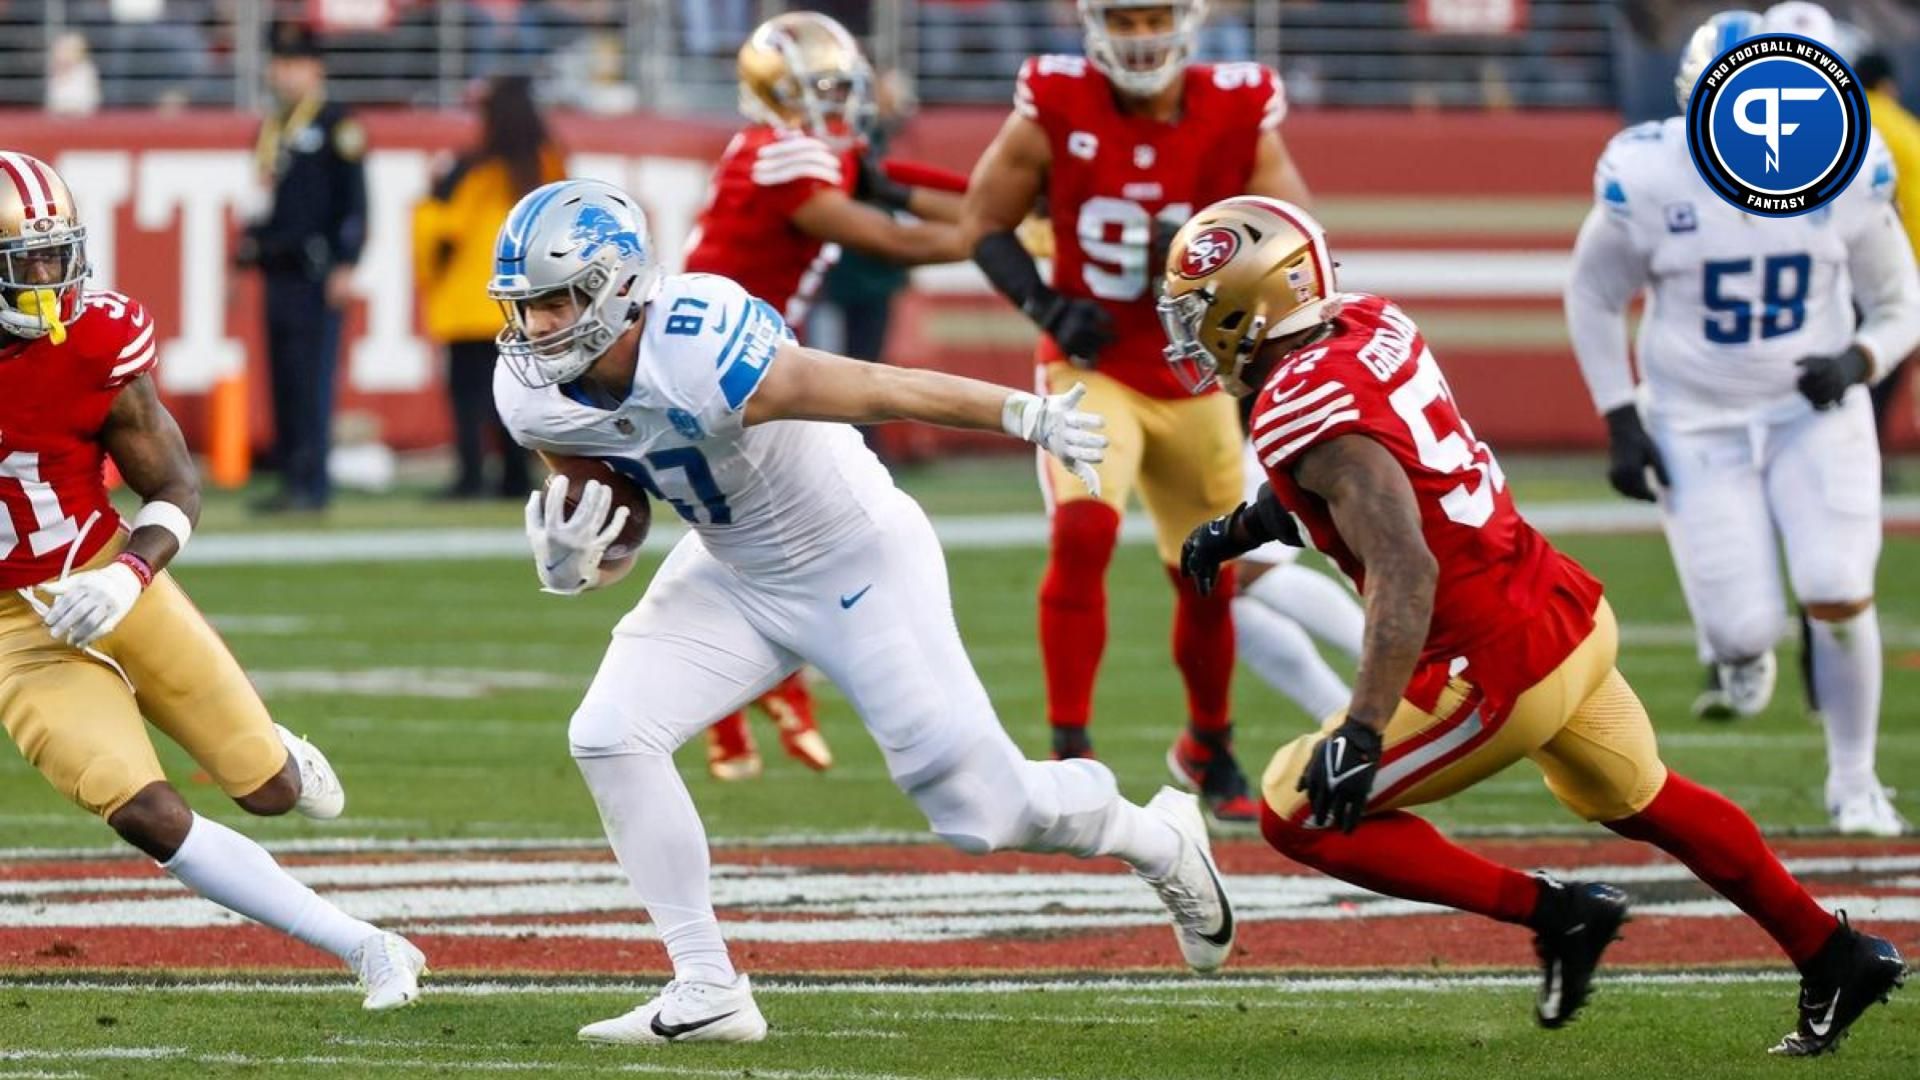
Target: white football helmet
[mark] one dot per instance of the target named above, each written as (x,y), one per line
(1718,34)
(583,236)
(1142,65)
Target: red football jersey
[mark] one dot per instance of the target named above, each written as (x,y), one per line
(1114,173)
(746,232)
(1507,602)
(53,401)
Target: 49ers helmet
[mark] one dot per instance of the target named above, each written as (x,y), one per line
(803,70)
(1240,273)
(43,254)
(1142,65)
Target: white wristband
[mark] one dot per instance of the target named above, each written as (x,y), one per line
(166,516)
(1016,416)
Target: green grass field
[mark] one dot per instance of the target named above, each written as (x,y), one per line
(442,691)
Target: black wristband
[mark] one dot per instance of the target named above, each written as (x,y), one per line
(1007,264)
(1265,520)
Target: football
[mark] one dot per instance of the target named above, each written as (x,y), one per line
(625,493)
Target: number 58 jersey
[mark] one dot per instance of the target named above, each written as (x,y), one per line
(1736,300)
(1507,603)
(1115,174)
(762,499)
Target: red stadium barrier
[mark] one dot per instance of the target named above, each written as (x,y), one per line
(1464,216)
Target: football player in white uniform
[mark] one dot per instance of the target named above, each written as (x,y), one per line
(800,550)
(1752,427)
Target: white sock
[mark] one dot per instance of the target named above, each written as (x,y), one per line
(1094,820)
(239,875)
(1280,652)
(662,845)
(1847,679)
(1322,606)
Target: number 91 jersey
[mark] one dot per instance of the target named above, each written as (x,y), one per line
(54,399)
(1737,300)
(1506,600)
(1115,174)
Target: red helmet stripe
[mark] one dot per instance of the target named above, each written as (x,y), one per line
(33,195)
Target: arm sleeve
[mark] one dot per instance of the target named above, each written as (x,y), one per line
(1607,271)
(1887,287)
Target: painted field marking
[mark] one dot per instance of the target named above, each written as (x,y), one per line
(462,1064)
(1134,985)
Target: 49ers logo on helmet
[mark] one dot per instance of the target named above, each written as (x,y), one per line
(1207,252)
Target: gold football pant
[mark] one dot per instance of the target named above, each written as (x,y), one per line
(81,724)
(1183,454)
(1582,725)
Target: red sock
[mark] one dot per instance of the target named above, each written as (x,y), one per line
(1401,855)
(1723,847)
(1073,606)
(1203,647)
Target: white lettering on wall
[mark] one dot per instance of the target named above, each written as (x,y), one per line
(200,187)
(100,181)
(390,357)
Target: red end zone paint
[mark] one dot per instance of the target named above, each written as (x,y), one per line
(899,908)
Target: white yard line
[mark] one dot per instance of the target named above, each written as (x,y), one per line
(461,1064)
(1116,984)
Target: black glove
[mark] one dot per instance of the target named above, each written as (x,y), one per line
(1824,380)
(871,184)
(1339,776)
(1079,326)
(1248,526)
(1632,453)
(1212,545)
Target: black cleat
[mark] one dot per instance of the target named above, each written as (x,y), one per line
(1577,921)
(1852,972)
(1712,703)
(1070,743)
(1211,771)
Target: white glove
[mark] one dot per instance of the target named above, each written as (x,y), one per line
(1053,424)
(567,550)
(90,604)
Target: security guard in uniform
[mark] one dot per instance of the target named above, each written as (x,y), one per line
(310,154)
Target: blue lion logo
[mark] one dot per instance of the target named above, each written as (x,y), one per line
(597,228)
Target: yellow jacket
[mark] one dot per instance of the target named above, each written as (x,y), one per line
(1900,130)
(453,234)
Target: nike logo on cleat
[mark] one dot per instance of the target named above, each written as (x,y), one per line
(1819,1028)
(1225,933)
(847,601)
(674,1031)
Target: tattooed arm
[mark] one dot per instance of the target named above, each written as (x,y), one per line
(1374,510)
(143,440)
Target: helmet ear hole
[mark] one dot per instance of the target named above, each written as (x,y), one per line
(1232,321)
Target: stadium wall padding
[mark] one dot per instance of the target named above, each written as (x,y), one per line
(1465,217)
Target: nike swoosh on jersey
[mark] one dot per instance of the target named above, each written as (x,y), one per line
(674,1031)
(847,602)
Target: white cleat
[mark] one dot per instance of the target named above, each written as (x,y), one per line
(390,969)
(1202,914)
(1867,811)
(321,796)
(686,1011)
(1748,684)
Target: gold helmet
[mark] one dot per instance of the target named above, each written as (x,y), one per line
(803,70)
(43,254)
(1242,272)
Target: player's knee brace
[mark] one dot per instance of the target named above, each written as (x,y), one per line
(600,728)
(106,784)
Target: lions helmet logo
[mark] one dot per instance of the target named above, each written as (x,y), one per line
(596,227)
(1207,252)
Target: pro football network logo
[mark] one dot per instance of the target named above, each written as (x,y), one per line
(1208,251)
(1777,125)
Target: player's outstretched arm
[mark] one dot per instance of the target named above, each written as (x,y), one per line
(1373,507)
(1607,271)
(1275,174)
(144,442)
(807,384)
(834,217)
(1887,285)
(1374,511)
